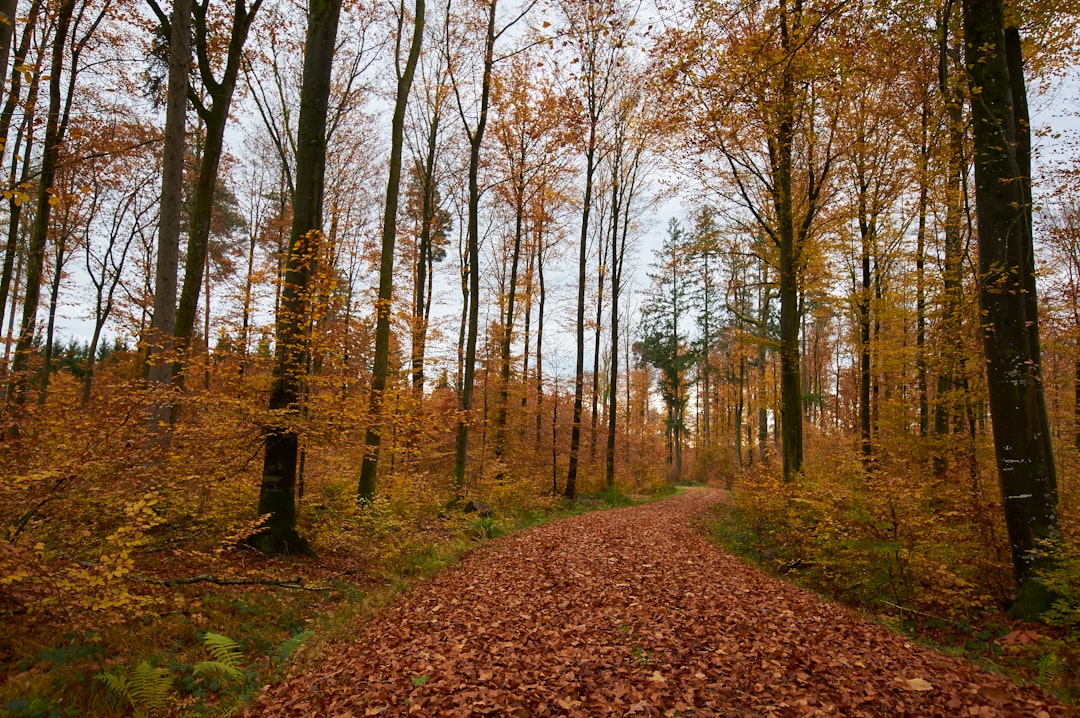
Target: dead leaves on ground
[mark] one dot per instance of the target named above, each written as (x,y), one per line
(629,612)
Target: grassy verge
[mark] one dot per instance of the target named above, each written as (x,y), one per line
(213,646)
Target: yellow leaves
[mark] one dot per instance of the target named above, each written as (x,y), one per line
(16,196)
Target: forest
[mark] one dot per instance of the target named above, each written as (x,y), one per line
(299,301)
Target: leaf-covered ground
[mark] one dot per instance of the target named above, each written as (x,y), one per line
(631,612)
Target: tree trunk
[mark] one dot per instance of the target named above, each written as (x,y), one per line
(55,128)
(10,105)
(172,192)
(369,469)
(461,444)
(782,166)
(506,341)
(277,495)
(579,361)
(1022,438)
(920,277)
(215,117)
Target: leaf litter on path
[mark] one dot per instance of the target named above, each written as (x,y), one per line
(631,612)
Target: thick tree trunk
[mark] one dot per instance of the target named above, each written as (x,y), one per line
(1022,438)
(369,469)
(171,207)
(277,495)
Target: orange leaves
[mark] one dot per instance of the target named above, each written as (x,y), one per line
(629,612)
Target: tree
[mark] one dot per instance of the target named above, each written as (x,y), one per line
(1010,329)
(663,342)
(76,25)
(213,109)
(630,138)
(370,467)
(172,191)
(756,88)
(597,32)
(277,493)
(475,134)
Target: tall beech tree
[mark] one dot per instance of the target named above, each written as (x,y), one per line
(475,134)
(597,33)
(369,468)
(213,109)
(1010,327)
(277,494)
(172,197)
(753,84)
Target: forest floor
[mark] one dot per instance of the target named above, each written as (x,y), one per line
(631,612)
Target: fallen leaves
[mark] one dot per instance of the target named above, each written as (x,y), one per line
(629,612)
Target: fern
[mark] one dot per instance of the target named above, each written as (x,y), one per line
(116,687)
(226,658)
(147,689)
(1051,671)
(289,646)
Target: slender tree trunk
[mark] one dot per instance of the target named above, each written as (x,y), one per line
(215,117)
(55,128)
(920,278)
(506,341)
(10,105)
(947,404)
(540,335)
(579,362)
(14,301)
(596,346)
(7,33)
(369,469)
(59,260)
(465,406)
(782,166)
(424,269)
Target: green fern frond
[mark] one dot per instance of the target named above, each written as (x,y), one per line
(222,670)
(289,646)
(116,687)
(1051,671)
(223,649)
(148,690)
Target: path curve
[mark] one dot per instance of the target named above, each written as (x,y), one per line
(630,612)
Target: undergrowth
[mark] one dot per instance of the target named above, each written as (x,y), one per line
(210,653)
(923,554)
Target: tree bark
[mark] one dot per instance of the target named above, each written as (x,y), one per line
(277,494)
(1022,439)
(369,469)
(172,192)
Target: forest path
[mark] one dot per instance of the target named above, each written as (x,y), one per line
(631,612)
